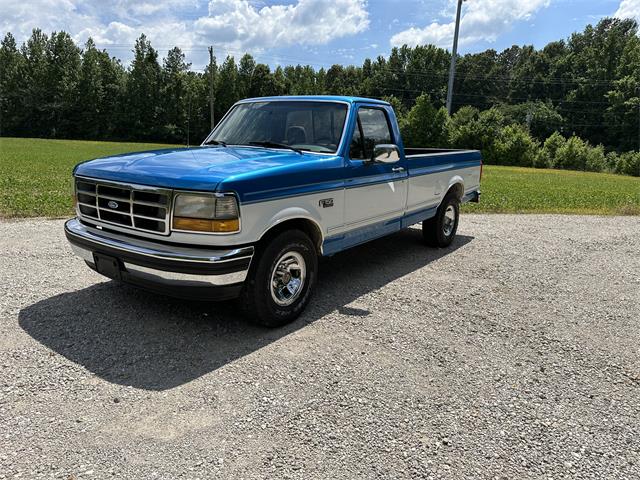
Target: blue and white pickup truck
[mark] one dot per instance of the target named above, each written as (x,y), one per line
(279,182)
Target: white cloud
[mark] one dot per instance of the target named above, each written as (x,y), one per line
(238,24)
(628,9)
(108,23)
(482,20)
(19,17)
(231,25)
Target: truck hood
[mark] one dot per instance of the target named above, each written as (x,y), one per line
(199,168)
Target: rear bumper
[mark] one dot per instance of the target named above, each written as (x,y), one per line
(473,197)
(179,271)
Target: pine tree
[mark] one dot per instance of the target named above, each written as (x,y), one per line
(12,70)
(143,97)
(174,93)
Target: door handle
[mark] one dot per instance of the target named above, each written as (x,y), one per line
(397,169)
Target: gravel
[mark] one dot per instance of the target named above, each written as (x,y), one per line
(513,354)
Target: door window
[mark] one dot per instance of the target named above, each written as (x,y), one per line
(372,129)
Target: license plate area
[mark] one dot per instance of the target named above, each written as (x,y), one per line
(107,266)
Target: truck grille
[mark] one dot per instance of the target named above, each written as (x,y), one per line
(132,206)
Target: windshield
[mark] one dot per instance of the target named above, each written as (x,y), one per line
(310,126)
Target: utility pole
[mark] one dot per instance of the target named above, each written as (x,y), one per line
(188,120)
(211,77)
(454,54)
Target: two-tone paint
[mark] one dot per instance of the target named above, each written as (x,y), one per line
(337,200)
(348,201)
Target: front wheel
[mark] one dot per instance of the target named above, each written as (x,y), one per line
(281,283)
(440,230)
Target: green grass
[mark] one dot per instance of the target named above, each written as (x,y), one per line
(35,180)
(35,174)
(529,190)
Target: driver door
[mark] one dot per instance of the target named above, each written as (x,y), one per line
(375,192)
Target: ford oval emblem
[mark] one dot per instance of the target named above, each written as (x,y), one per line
(113,205)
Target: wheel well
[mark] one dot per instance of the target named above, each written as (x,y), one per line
(307,226)
(457,189)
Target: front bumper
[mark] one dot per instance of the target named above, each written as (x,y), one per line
(179,271)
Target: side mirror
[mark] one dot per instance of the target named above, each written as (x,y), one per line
(386,153)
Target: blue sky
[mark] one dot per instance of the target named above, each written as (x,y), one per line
(316,32)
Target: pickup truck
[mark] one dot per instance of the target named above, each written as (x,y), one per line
(279,182)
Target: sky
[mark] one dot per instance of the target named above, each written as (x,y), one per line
(314,32)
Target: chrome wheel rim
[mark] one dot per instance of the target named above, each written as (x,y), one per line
(287,278)
(449,220)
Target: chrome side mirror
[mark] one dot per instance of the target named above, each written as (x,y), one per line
(386,153)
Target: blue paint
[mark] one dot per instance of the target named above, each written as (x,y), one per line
(419,216)
(426,161)
(291,191)
(258,174)
(322,98)
(255,174)
(204,168)
(360,235)
(384,177)
(443,167)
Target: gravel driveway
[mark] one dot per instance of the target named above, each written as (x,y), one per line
(513,354)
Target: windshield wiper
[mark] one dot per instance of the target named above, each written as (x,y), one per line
(276,145)
(215,142)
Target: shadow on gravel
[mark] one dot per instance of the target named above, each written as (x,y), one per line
(131,337)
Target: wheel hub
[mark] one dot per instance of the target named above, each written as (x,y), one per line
(449,220)
(287,278)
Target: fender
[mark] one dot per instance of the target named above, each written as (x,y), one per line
(455,180)
(293,213)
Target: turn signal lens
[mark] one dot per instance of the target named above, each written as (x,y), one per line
(226,208)
(202,225)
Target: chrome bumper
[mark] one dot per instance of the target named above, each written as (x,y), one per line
(159,263)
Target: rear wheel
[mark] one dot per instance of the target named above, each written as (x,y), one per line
(281,283)
(440,230)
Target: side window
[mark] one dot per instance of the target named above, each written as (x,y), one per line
(355,150)
(373,129)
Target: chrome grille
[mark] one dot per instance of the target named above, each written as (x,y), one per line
(131,206)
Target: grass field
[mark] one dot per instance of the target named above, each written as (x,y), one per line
(35,181)
(35,174)
(530,190)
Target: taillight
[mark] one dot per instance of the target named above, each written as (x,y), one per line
(480,168)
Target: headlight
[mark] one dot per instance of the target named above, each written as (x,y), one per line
(206,213)
(195,206)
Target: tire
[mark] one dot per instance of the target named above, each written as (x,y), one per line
(266,304)
(440,230)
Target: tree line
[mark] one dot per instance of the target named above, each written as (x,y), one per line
(586,86)
(505,138)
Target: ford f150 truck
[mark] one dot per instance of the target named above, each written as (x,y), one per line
(279,182)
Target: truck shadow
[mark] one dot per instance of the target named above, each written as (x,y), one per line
(130,337)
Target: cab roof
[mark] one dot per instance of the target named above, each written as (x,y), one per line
(326,98)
